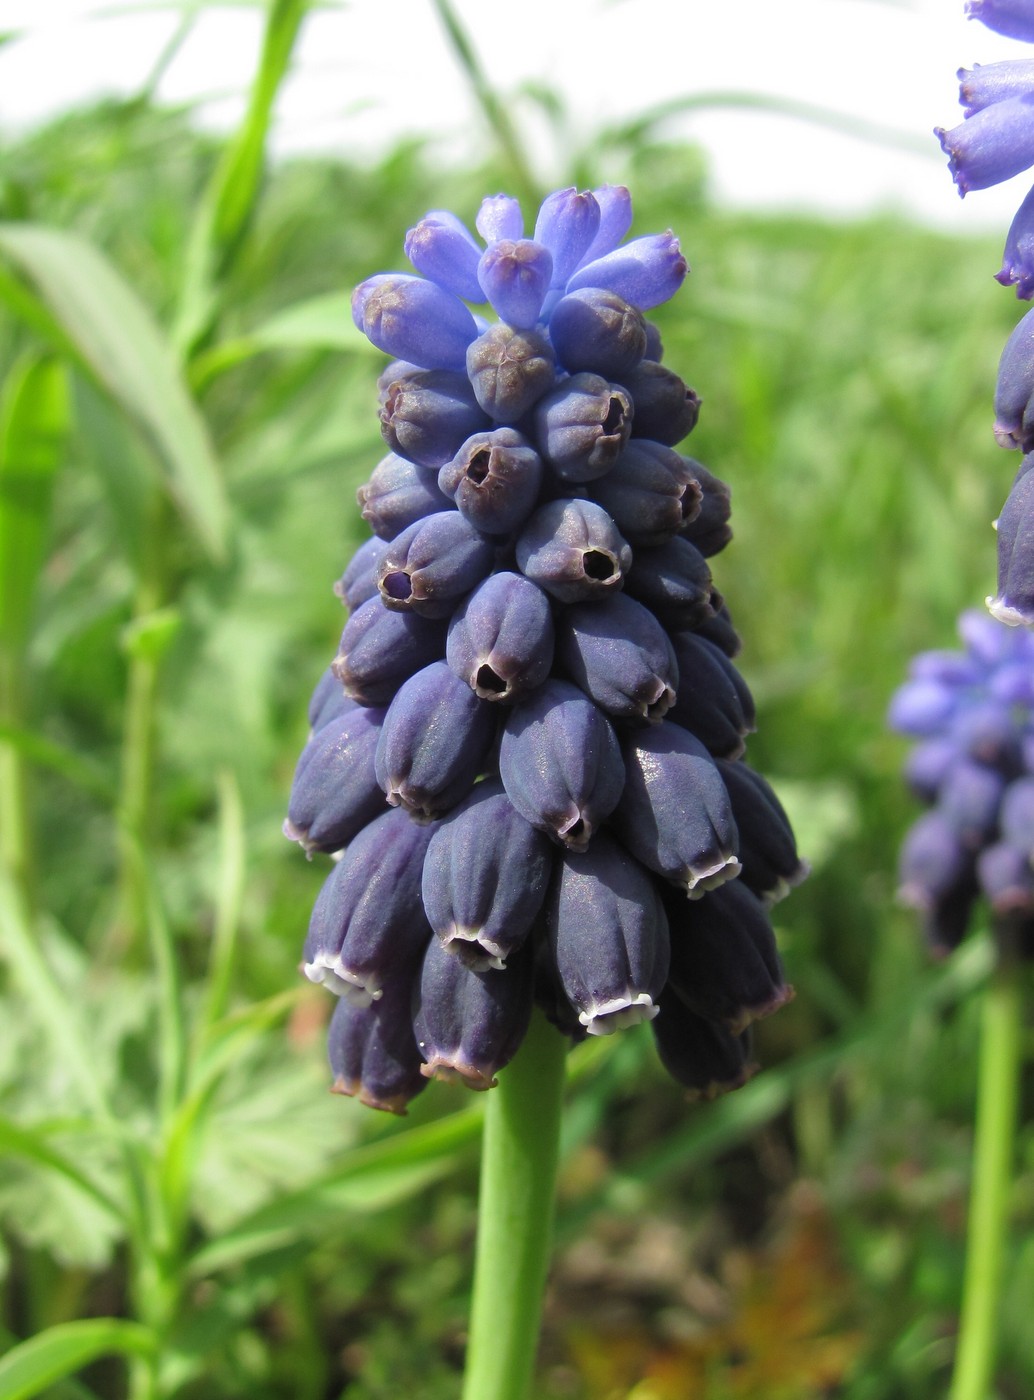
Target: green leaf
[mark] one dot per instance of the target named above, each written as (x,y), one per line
(232,195)
(32,1366)
(120,345)
(33,425)
(16,1141)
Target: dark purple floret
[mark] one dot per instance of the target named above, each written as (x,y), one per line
(328,700)
(599,331)
(709,530)
(358,584)
(373,1053)
(620,655)
(651,493)
(510,370)
(426,416)
(703,1056)
(724,962)
(380,649)
(771,866)
(608,937)
(368,926)
(666,410)
(434,743)
(969,799)
(469,1024)
(494,480)
(501,638)
(434,563)
(675,815)
(486,873)
(713,701)
(335,791)
(397,494)
(674,581)
(574,551)
(582,426)
(560,763)
(1014,602)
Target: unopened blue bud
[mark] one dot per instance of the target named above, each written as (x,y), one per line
(509,371)
(414,319)
(1005,876)
(373,1053)
(927,766)
(934,862)
(1014,601)
(469,1024)
(675,815)
(1018,256)
(501,639)
(574,551)
(358,584)
(989,83)
(615,206)
(767,848)
(969,800)
(608,937)
(705,1057)
(922,707)
(380,649)
(486,873)
(713,701)
(651,493)
(499,217)
(368,926)
(560,763)
(442,248)
(1013,18)
(724,961)
(436,737)
(646,272)
(432,564)
(567,224)
(494,480)
(426,416)
(992,145)
(1017,814)
(666,409)
(674,581)
(397,494)
(599,331)
(582,426)
(1015,388)
(515,276)
(335,791)
(620,655)
(709,530)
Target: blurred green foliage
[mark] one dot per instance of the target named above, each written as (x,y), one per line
(185,415)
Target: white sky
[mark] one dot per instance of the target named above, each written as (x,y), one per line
(371,70)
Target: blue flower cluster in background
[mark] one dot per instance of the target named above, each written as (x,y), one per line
(972,714)
(993,143)
(529,749)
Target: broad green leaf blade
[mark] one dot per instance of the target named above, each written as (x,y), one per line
(119,343)
(32,1366)
(33,425)
(16,1141)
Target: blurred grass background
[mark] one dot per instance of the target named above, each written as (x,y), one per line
(184,418)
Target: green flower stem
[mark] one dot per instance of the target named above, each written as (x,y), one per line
(515,1217)
(997,1094)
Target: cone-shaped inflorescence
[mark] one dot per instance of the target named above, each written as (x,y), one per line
(529,748)
(994,141)
(971,714)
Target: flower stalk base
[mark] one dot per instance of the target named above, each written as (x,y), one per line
(515,1217)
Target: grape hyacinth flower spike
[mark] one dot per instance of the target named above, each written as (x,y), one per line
(536,745)
(971,715)
(995,141)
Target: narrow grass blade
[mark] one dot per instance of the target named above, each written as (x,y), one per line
(231,197)
(31,1367)
(117,341)
(17,1141)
